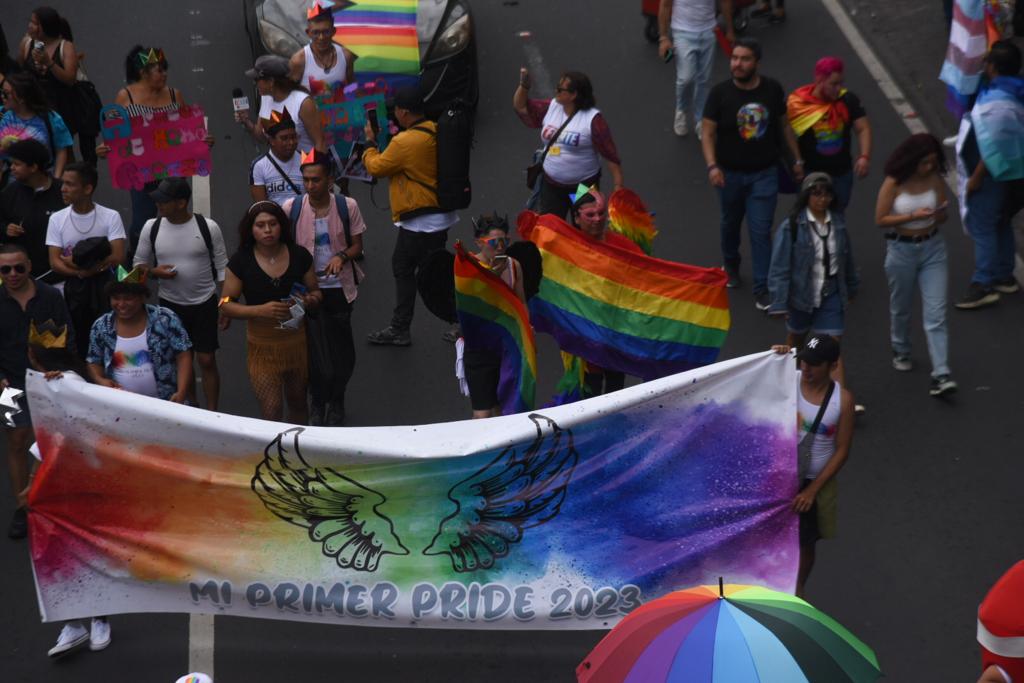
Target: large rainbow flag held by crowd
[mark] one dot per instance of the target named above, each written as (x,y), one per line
(621,310)
(383,35)
(494,319)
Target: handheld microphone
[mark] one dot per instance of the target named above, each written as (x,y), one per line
(239,100)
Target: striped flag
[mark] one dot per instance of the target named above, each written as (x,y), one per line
(494,319)
(623,310)
(383,35)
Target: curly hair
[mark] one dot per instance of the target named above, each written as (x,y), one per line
(27,89)
(245,238)
(902,163)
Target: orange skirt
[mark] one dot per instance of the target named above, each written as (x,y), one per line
(276,352)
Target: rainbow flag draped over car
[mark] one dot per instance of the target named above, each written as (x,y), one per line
(494,319)
(383,35)
(622,310)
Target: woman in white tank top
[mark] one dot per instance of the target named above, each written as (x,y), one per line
(911,206)
(278,93)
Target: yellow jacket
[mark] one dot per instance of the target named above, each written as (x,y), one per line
(410,161)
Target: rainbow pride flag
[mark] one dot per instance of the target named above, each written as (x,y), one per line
(494,319)
(623,310)
(383,35)
(630,217)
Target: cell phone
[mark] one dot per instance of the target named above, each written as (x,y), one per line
(371,116)
(669,55)
(38,45)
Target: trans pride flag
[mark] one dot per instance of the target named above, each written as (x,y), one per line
(494,319)
(621,310)
(976,25)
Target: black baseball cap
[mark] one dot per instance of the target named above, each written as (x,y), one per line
(821,348)
(171,189)
(409,97)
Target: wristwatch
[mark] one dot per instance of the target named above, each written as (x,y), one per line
(343,256)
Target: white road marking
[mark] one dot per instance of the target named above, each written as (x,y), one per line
(200,626)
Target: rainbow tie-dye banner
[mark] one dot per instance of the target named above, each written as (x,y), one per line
(623,310)
(383,34)
(493,319)
(564,518)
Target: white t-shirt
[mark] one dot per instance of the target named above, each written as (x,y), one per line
(67,228)
(824,445)
(322,254)
(263,173)
(430,222)
(292,103)
(697,16)
(132,367)
(183,247)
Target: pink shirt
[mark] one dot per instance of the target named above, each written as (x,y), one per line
(304,235)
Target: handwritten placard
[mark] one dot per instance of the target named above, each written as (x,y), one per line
(343,113)
(144,149)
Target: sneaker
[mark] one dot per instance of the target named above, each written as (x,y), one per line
(390,336)
(978,296)
(99,634)
(942,385)
(1007,286)
(902,362)
(949,141)
(679,125)
(859,409)
(72,637)
(733,273)
(19,525)
(762,301)
(698,128)
(452,334)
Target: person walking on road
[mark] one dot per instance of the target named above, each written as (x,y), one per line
(185,251)
(688,28)
(911,206)
(410,164)
(824,114)
(575,136)
(276,175)
(330,227)
(813,276)
(744,130)
(825,419)
(990,203)
(27,203)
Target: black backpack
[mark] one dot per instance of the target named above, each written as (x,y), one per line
(204,230)
(454,140)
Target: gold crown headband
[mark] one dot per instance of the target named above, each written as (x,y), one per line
(134,276)
(49,335)
(154,56)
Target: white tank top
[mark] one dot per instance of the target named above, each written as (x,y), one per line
(292,103)
(824,444)
(572,157)
(906,203)
(320,82)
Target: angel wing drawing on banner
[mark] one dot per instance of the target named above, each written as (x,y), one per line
(340,513)
(512,493)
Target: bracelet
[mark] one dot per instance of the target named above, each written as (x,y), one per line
(865,157)
(660,38)
(712,167)
(343,255)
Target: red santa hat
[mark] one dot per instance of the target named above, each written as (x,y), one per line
(1001,624)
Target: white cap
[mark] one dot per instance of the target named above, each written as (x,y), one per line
(195,677)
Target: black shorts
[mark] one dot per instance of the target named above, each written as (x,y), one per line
(809,530)
(483,370)
(200,321)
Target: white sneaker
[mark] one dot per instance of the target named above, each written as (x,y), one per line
(950,141)
(679,126)
(72,637)
(698,129)
(99,634)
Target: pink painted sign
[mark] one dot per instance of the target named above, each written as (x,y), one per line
(148,148)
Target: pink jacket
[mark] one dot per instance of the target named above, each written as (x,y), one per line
(304,231)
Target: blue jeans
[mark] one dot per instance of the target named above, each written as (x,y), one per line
(990,228)
(925,265)
(750,194)
(695,53)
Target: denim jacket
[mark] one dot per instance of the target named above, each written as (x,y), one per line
(790,275)
(165,336)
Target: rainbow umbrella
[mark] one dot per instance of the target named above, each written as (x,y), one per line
(728,634)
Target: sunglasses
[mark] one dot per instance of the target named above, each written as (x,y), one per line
(19,268)
(564,90)
(494,242)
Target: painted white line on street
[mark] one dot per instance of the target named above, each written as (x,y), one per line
(200,643)
(200,626)
(882,77)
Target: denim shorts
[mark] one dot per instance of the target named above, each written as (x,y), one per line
(827,318)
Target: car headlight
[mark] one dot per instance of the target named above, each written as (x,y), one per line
(455,36)
(277,40)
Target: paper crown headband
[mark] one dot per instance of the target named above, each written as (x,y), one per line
(315,156)
(133,276)
(319,7)
(581,191)
(154,56)
(277,121)
(48,335)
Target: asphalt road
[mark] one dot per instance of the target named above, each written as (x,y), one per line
(931,506)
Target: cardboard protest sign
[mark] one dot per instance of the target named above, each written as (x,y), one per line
(344,111)
(144,149)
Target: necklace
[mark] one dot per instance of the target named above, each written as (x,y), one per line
(88,229)
(327,64)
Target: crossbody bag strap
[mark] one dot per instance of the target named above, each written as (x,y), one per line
(204,230)
(295,189)
(432,188)
(547,148)
(341,204)
(805,453)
